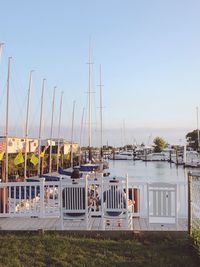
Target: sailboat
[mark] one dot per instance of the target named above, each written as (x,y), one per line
(123,154)
(91,166)
(59,174)
(51,176)
(87,167)
(95,165)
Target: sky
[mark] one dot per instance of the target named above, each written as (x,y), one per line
(150,57)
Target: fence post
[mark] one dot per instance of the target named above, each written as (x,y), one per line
(42,184)
(189,203)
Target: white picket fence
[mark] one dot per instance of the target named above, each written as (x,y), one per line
(42,199)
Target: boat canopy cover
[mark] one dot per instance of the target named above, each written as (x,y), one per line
(89,167)
(64,172)
(49,178)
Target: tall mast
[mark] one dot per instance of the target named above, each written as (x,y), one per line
(1,49)
(124,138)
(101,114)
(72,133)
(51,134)
(27,120)
(197,128)
(89,103)
(40,127)
(59,124)
(81,136)
(7,116)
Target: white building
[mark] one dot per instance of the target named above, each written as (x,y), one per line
(16,144)
(67,146)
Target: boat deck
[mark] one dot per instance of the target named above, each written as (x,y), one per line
(32,224)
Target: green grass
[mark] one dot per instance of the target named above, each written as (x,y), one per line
(196,238)
(55,249)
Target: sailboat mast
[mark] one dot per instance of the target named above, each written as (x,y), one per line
(197,109)
(89,103)
(1,49)
(124,137)
(27,120)
(51,134)
(101,114)
(72,133)
(59,124)
(81,136)
(40,127)
(7,116)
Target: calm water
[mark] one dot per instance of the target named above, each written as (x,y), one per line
(148,171)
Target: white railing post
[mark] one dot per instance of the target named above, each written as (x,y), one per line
(190,204)
(127,197)
(61,204)
(102,209)
(147,197)
(42,207)
(86,201)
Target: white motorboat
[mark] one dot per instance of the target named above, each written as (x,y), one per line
(192,159)
(155,157)
(123,155)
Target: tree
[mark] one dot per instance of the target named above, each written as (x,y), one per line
(160,144)
(192,139)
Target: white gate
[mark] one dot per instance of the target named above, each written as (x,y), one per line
(162,203)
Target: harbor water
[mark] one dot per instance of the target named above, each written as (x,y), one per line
(141,171)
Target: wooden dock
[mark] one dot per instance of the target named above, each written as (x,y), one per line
(33,224)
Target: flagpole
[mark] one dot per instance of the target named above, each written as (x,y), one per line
(27,121)
(59,124)
(51,134)
(7,116)
(72,134)
(40,127)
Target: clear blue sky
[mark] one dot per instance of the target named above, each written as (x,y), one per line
(150,56)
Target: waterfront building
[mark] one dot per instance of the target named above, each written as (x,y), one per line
(16,144)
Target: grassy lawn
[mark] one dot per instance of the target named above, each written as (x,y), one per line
(196,237)
(55,249)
